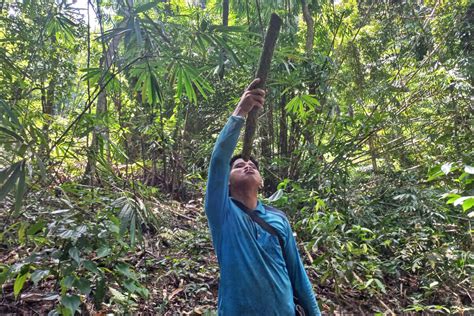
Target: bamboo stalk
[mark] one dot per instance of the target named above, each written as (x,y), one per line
(262,73)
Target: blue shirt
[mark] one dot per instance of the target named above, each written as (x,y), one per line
(255,279)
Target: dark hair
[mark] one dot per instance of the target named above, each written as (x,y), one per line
(239,156)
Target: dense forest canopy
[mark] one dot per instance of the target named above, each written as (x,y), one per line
(109,111)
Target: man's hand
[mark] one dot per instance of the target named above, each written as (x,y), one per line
(251,98)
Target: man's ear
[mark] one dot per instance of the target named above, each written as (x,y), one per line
(261,185)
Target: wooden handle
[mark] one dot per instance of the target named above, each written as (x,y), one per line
(262,73)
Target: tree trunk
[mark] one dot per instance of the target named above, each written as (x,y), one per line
(373,154)
(283,144)
(308,130)
(47,101)
(225,22)
(101,130)
(309,27)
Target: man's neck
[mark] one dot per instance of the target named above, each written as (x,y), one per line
(249,199)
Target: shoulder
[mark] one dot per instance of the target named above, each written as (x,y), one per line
(279,220)
(275,211)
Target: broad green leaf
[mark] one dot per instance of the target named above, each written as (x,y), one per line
(469,169)
(67,282)
(19,283)
(380,285)
(124,269)
(276,196)
(446,168)
(435,173)
(4,272)
(22,233)
(190,93)
(369,282)
(113,227)
(464,199)
(130,285)
(143,291)
(119,296)
(38,275)
(452,197)
(83,285)
(36,227)
(91,266)
(294,105)
(74,254)
(103,251)
(99,292)
(310,100)
(71,302)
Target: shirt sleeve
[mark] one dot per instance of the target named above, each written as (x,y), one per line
(217,190)
(299,279)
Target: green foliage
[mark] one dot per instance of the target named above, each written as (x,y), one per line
(95,126)
(399,231)
(86,250)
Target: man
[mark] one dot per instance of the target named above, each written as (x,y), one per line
(258,277)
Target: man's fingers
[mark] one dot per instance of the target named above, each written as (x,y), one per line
(253,84)
(256,92)
(259,99)
(257,102)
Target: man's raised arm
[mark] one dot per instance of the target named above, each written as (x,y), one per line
(217,190)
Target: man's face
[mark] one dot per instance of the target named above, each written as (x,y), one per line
(245,173)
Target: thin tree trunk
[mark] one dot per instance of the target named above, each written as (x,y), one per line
(247,10)
(47,101)
(101,130)
(373,154)
(308,130)
(257,4)
(225,22)
(225,12)
(283,139)
(309,27)
(283,144)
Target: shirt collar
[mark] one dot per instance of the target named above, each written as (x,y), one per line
(260,208)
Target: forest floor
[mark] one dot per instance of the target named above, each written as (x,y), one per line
(179,268)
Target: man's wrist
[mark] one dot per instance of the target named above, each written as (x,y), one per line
(238,112)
